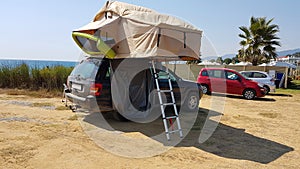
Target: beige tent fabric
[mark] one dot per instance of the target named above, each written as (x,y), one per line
(141,32)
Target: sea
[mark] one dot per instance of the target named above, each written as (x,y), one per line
(36,63)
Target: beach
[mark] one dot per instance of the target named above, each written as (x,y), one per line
(263,133)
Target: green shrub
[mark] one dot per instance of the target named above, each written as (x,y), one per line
(5,76)
(23,77)
(36,78)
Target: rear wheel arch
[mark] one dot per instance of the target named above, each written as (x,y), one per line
(205,88)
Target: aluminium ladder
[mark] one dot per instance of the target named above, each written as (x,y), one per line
(163,105)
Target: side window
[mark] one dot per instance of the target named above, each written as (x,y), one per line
(247,74)
(231,76)
(259,75)
(164,75)
(216,73)
(204,73)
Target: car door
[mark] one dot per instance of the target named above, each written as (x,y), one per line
(103,77)
(233,83)
(217,81)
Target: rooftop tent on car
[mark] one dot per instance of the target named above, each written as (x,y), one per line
(121,30)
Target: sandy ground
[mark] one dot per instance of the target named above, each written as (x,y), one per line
(261,133)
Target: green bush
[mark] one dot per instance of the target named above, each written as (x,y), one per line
(5,76)
(24,77)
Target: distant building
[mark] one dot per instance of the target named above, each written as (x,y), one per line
(290,59)
(206,62)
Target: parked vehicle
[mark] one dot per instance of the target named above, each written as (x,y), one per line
(90,86)
(261,77)
(223,80)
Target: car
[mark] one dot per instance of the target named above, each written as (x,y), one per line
(264,78)
(228,81)
(89,86)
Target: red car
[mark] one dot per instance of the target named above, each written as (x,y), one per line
(223,80)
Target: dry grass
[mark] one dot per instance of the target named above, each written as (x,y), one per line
(269,115)
(62,108)
(42,93)
(74,117)
(42,104)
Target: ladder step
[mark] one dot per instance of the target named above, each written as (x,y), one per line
(164,91)
(171,117)
(173,131)
(168,104)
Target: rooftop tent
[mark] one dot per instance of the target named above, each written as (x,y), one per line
(121,30)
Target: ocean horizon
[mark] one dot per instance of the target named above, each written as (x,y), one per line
(36,63)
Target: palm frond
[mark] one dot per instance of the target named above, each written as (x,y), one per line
(259,40)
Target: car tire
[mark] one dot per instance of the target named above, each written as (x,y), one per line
(205,89)
(249,94)
(267,89)
(117,116)
(191,103)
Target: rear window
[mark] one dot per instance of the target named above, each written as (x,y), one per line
(87,68)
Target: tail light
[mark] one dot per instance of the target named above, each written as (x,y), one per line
(96,89)
(272,80)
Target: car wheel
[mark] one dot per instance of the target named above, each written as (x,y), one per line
(249,94)
(192,102)
(119,117)
(267,89)
(205,89)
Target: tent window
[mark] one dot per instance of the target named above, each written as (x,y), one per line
(88,44)
(184,39)
(158,37)
(109,40)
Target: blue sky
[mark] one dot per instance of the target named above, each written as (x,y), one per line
(35,29)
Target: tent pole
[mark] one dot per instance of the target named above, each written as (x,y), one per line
(175,66)
(166,64)
(286,77)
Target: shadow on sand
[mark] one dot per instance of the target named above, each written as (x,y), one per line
(241,97)
(280,94)
(226,141)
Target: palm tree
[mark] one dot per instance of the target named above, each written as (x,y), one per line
(258,41)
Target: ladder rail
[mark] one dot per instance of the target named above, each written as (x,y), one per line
(160,102)
(174,104)
(170,90)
